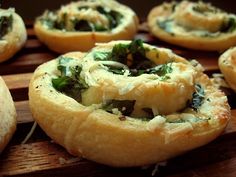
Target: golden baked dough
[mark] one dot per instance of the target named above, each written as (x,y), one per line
(227,65)
(7,115)
(79,25)
(195,25)
(112,78)
(13,33)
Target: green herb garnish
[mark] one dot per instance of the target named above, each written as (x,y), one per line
(160,70)
(101,56)
(140,64)
(126,107)
(120,53)
(6,23)
(197,97)
(229,26)
(114,17)
(69,81)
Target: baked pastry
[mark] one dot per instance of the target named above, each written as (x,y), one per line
(195,25)
(77,26)
(7,115)
(12,33)
(227,65)
(127,103)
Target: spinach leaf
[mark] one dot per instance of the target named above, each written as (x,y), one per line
(161,70)
(197,97)
(119,53)
(126,107)
(113,17)
(140,64)
(115,70)
(101,56)
(5,25)
(230,26)
(69,82)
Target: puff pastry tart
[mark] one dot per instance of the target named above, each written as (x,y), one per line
(7,115)
(79,25)
(195,25)
(127,103)
(12,33)
(227,65)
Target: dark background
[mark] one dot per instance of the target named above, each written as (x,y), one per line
(29,9)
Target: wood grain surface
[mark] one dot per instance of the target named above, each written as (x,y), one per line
(40,156)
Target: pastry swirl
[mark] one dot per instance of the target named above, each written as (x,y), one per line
(12,33)
(77,26)
(227,64)
(195,25)
(113,105)
(7,115)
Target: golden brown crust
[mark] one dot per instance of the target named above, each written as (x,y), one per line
(14,40)
(191,29)
(67,41)
(102,137)
(227,65)
(7,115)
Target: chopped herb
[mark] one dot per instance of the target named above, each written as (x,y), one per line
(229,26)
(140,63)
(83,7)
(101,56)
(69,82)
(5,25)
(115,69)
(98,27)
(119,53)
(197,97)
(126,107)
(114,17)
(160,70)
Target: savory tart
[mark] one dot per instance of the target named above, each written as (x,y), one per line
(12,33)
(79,25)
(227,65)
(127,103)
(7,115)
(195,25)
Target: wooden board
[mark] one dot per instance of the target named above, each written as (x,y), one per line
(40,156)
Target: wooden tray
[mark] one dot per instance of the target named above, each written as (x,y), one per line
(41,157)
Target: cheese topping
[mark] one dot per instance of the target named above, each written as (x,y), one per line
(149,90)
